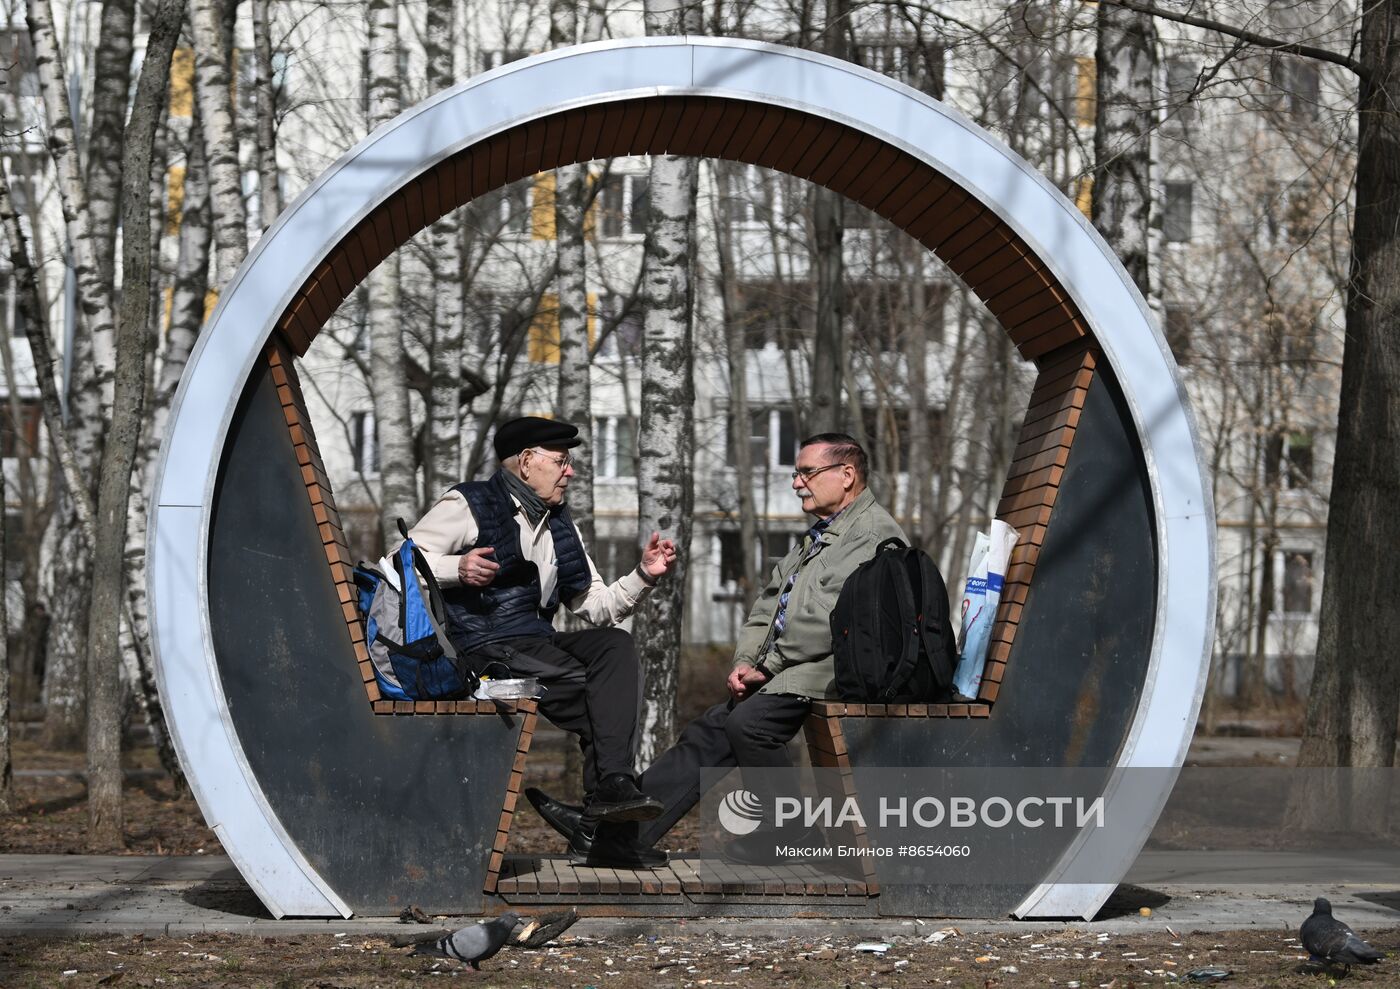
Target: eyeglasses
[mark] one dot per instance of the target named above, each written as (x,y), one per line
(807,473)
(563,461)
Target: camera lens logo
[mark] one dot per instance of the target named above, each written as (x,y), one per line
(740,812)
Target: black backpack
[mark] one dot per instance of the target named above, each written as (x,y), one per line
(891,630)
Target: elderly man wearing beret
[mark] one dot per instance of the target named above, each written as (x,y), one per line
(507,554)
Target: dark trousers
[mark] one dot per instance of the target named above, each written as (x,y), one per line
(592,688)
(753,732)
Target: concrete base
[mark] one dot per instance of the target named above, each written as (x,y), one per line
(48,895)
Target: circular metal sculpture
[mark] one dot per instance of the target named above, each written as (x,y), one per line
(331,802)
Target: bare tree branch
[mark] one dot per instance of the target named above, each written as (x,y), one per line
(1245,35)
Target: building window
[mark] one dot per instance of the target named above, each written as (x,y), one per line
(756,197)
(615,446)
(505,211)
(24,441)
(364,443)
(1289,461)
(624,205)
(17,63)
(11,315)
(1176,218)
(246,67)
(1297,582)
(769,548)
(888,430)
(1298,83)
(772,313)
(1179,332)
(1182,75)
(14,545)
(883,312)
(360,311)
(616,557)
(625,338)
(772,439)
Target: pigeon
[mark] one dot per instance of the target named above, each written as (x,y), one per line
(545,928)
(1331,942)
(473,944)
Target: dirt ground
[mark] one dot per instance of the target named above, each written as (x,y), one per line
(678,960)
(51,814)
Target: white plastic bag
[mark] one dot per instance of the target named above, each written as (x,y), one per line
(982,593)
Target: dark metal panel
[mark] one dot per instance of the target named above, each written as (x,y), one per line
(390,810)
(1079,662)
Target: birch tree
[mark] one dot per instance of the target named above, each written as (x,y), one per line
(444,457)
(119,453)
(571,196)
(215,95)
(665,481)
(1125,60)
(64,683)
(828,268)
(388,378)
(265,128)
(736,367)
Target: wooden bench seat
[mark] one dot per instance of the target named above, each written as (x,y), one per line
(1027,503)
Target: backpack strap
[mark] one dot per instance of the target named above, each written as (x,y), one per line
(908,616)
(942,673)
(436,608)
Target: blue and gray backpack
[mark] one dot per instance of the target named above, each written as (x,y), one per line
(413,658)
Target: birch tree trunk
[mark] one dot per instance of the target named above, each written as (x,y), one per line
(215,96)
(828,270)
(665,481)
(389,380)
(269,189)
(575,384)
(119,454)
(444,459)
(736,363)
(64,682)
(111,81)
(1125,60)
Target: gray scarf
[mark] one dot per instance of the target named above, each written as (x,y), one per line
(535,508)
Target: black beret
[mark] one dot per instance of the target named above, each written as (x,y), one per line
(519,434)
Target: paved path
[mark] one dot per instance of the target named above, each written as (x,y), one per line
(93,895)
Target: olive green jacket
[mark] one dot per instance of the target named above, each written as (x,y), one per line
(800,660)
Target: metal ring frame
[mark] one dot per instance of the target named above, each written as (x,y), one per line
(604,74)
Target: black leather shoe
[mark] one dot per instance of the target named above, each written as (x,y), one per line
(618,799)
(606,849)
(767,846)
(560,816)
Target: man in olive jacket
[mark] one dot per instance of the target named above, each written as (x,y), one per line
(784,656)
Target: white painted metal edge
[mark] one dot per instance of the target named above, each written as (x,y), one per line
(602,72)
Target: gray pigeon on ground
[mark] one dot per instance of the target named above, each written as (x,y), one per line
(1331,942)
(475,943)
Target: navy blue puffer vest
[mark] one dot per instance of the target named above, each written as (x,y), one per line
(510,607)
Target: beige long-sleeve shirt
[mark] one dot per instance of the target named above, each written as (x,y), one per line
(449,531)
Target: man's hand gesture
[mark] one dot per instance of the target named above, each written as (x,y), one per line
(476,568)
(658,557)
(744,680)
